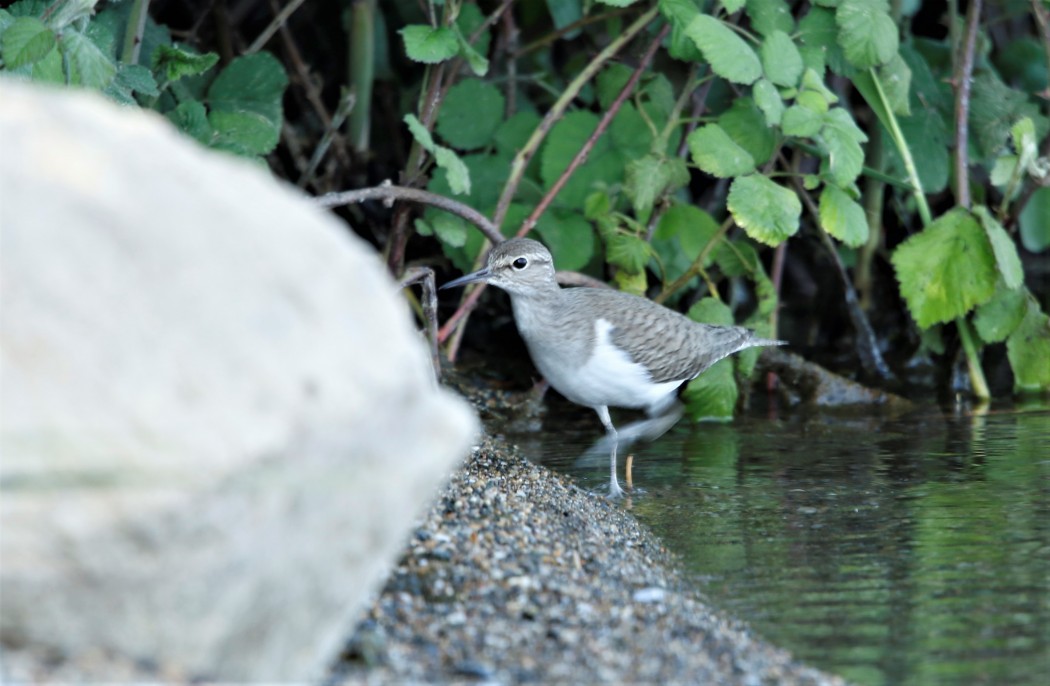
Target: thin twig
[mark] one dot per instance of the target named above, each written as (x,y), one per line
(390,193)
(273,26)
(603,124)
(346,104)
(425,277)
(961,78)
(521,160)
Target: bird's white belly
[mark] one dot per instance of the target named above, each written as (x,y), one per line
(607,377)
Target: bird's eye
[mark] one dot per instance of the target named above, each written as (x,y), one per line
(520,263)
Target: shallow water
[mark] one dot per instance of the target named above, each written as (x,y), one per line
(905,550)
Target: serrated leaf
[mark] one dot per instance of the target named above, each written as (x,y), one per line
(26,40)
(994,109)
(842,217)
(429,45)
(191,118)
(92,68)
(709,310)
(843,138)
(768,100)
(736,258)
(61,15)
(245,103)
(769,213)
(730,56)
(627,251)
(781,60)
(818,41)
(1028,349)
(138,79)
(1006,257)
(681,234)
(479,64)
(648,178)
(450,229)
(470,114)
(458,174)
(945,270)
(769,16)
(744,123)
(1034,222)
(419,132)
(717,154)
(569,237)
(867,34)
(996,319)
(172,62)
(801,121)
(712,396)
(895,77)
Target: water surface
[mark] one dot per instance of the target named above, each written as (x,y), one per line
(904,550)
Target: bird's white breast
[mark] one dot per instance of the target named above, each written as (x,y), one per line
(607,377)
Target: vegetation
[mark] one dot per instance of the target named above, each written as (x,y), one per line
(836,171)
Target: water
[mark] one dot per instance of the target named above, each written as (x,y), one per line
(908,550)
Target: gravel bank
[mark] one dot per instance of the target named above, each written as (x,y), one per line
(516,575)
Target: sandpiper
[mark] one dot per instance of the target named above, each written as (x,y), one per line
(600,347)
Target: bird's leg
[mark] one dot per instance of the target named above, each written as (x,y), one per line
(614,486)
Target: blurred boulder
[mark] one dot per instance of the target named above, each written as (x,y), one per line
(218,421)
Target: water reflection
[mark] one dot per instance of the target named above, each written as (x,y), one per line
(908,550)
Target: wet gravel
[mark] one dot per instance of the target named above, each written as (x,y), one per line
(516,576)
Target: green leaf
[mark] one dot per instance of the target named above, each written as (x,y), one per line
(681,234)
(470,115)
(843,137)
(842,217)
(994,108)
(91,67)
(458,174)
(818,42)
(731,6)
(770,16)
(895,77)
(569,237)
(736,258)
(26,40)
(711,310)
(781,60)
(1028,349)
(603,166)
(946,270)
(245,103)
(191,118)
(618,3)
(513,133)
(1003,248)
(717,154)
(801,122)
(867,34)
(479,64)
(768,213)
(419,132)
(450,229)
(172,62)
(1034,222)
(650,177)
(429,45)
(627,251)
(730,56)
(712,396)
(996,319)
(62,14)
(610,82)
(744,123)
(768,100)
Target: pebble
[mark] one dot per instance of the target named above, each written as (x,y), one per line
(529,578)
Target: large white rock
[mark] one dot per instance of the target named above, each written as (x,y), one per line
(218,421)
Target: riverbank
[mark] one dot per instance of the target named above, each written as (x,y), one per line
(517,575)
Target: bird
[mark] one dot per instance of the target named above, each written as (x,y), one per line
(603,348)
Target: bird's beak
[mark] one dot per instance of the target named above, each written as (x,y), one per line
(480,275)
